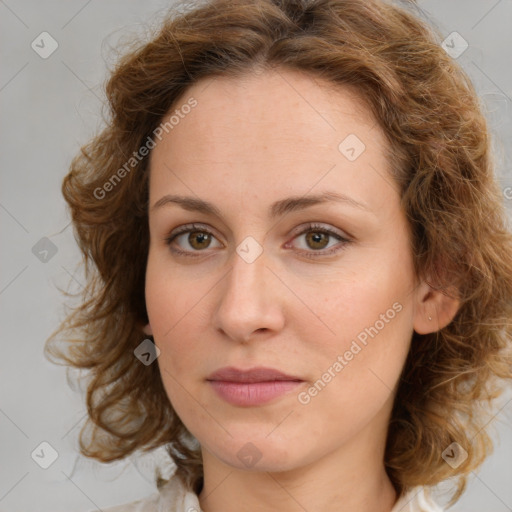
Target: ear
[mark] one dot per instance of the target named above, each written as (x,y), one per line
(433,309)
(147,329)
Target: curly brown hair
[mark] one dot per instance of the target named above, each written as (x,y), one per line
(430,113)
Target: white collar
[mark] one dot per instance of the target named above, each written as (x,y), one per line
(173,496)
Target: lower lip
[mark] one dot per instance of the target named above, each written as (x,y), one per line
(252,393)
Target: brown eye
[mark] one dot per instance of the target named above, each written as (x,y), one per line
(201,238)
(191,240)
(317,239)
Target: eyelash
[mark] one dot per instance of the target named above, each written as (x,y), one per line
(309,227)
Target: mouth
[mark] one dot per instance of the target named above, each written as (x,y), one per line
(252,387)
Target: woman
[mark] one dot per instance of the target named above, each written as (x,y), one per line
(299,270)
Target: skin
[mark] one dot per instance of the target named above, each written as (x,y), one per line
(249,142)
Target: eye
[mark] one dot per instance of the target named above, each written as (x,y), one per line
(316,238)
(197,236)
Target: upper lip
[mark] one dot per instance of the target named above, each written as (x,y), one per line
(256,374)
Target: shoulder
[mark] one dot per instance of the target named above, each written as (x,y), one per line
(173,496)
(417,499)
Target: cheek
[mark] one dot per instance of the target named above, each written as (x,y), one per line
(168,306)
(360,357)
(355,372)
(177,303)
(168,295)
(373,305)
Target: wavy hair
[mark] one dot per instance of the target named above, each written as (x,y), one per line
(441,146)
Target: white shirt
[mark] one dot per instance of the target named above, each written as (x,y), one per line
(175,497)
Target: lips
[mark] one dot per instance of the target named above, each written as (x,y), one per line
(255,386)
(259,374)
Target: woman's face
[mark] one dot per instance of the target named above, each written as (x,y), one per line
(322,314)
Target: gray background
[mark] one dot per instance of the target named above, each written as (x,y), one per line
(49,107)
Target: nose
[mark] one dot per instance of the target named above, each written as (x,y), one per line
(249,301)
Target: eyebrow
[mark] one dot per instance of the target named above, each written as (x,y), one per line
(277,209)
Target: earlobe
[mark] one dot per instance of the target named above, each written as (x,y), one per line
(433,309)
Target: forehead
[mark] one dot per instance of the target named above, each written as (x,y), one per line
(282,128)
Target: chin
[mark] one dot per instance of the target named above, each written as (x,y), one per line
(257,452)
